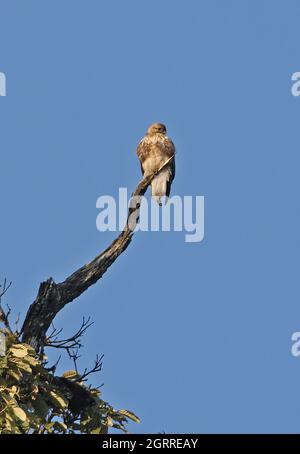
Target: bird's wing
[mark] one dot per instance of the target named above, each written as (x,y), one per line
(143,151)
(171,152)
(173,168)
(172,176)
(169,149)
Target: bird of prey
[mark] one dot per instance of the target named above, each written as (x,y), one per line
(153,151)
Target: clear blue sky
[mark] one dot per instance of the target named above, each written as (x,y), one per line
(196,337)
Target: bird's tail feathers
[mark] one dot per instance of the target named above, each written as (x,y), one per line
(159,187)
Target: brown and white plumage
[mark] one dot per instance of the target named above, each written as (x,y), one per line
(153,151)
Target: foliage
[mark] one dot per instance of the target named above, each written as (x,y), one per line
(34,400)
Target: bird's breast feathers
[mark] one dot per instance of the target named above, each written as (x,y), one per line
(154,150)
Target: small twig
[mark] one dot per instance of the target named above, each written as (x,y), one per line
(97,368)
(71,342)
(73,354)
(4,316)
(5,288)
(54,332)
(17,321)
(53,368)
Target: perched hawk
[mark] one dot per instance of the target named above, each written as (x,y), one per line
(153,150)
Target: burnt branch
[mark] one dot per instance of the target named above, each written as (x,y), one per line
(53,297)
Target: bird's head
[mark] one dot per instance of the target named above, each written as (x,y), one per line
(157,128)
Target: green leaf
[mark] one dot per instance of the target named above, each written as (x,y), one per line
(109,421)
(59,400)
(60,426)
(49,426)
(3,362)
(130,415)
(16,375)
(29,348)
(70,374)
(96,431)
(18,350)
(19,413)
(120,426)
(21,364)
(31,360)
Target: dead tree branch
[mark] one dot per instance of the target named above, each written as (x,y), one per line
(53,297)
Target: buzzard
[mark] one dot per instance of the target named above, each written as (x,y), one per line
(153,151)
